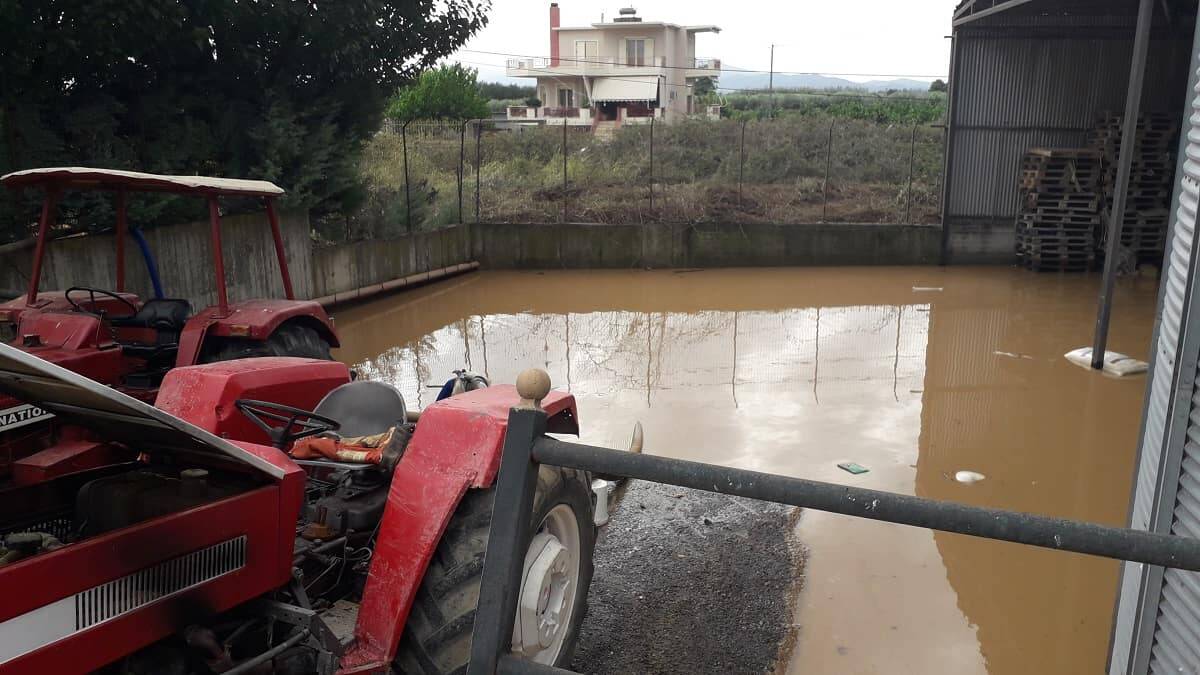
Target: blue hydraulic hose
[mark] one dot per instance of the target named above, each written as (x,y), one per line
(151,266)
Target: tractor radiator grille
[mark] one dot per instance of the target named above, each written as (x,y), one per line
(110,600)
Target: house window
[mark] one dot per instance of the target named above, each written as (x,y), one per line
(587,52)
(635,52)
(566,98)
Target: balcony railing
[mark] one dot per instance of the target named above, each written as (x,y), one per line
(562,112)
(705,63)
(588,64)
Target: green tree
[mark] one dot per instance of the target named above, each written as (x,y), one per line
(703,87)
(274,89)
(498,91)
(449,92)
(937,85)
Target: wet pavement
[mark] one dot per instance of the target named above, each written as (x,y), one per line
(914,373)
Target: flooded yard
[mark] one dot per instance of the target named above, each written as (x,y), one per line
(914,373)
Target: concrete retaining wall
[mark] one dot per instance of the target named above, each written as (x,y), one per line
(185,260)
(344,267)
(982,242)
(506,246)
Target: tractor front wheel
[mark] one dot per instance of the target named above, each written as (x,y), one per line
(553,596)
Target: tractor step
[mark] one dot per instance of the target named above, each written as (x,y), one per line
(341,618)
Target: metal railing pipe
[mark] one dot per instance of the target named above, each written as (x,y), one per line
(1022,528)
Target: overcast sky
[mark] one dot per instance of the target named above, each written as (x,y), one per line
(871,37)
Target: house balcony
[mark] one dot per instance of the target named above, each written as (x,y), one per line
(550,115)
(571,66)
(703,67)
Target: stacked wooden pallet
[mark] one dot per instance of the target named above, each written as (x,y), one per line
(1151,179)
(1060,209)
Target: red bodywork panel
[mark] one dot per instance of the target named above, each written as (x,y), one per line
(457,446)
(56,301)
(205,395)
(255,319)
(35,584)
(65,457)
(82,343)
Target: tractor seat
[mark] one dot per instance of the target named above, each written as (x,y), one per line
(165,315)
(363,408)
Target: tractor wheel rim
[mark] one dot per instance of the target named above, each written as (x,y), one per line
(550,578)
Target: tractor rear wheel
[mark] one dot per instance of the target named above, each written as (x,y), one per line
(553,597)
(290,339)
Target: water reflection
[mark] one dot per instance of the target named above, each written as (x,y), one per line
(834,351)
(793,371)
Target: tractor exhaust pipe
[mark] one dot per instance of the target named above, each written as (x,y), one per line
(606,486)
(635,447)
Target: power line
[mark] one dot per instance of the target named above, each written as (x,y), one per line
(729,70)
(751,90)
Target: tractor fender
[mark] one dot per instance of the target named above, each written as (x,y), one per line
(456,447)
(253,319)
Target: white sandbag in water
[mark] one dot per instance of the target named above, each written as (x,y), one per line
(1115,363)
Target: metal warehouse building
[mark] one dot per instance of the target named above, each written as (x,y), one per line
(1027,73)
(1039,73)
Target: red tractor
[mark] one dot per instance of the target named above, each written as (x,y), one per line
(272,515)
(118,339)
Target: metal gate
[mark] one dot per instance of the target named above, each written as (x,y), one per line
(526,446)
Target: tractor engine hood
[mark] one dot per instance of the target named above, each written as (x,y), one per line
(114,416)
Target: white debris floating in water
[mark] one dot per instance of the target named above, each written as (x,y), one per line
(968,476)
(1115,363)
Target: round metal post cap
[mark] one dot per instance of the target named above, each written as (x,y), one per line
(532,387)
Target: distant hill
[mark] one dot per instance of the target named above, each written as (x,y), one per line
(736,80)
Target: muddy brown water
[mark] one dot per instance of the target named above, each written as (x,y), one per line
(914,373)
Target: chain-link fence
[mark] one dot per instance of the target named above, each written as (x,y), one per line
(789,170)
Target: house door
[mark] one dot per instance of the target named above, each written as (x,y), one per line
(566,98)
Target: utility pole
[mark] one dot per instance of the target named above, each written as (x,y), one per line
(771,80)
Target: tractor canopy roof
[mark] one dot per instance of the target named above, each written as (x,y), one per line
(84,178)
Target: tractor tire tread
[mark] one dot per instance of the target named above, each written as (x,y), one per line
(437,636)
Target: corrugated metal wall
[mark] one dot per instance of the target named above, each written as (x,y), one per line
(1158,613)
(1041,81)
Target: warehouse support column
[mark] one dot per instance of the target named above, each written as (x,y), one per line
(1116,217)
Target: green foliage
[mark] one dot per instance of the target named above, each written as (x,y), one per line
(904,107)
(449,92)
(704,87)
(937,85)
(497,90)
(698,165)
(277,90)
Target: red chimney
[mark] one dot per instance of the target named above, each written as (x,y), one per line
(553,34)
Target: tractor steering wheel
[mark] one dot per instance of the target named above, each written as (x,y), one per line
(92,293)
(305,422)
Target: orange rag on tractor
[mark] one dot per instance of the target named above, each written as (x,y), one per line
(356,450)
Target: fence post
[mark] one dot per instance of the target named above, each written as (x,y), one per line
(825,185)
(407,195)
(651,166)
(564,193)
(462,151)
(478,161)
(912,149)
(741,163)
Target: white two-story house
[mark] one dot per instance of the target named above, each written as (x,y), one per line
(618,72)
